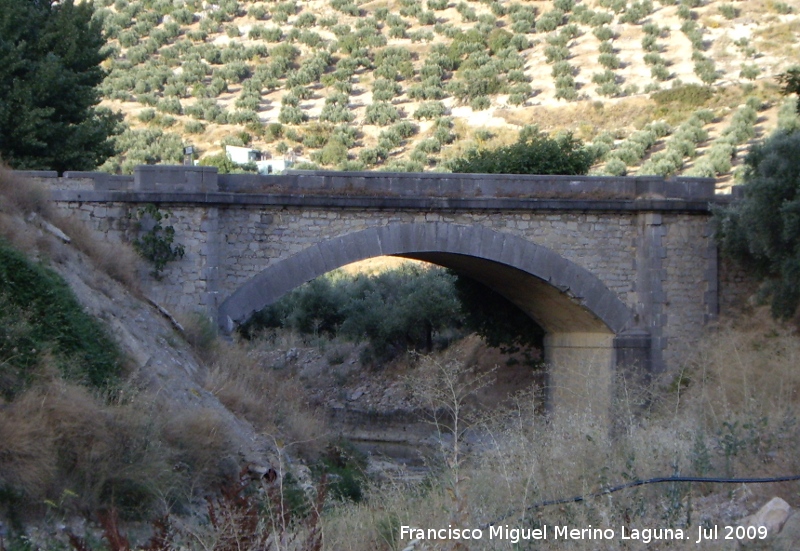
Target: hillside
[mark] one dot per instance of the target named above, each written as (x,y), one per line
(655,87)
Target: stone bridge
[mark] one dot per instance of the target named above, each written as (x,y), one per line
(620,272)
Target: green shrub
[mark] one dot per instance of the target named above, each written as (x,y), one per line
(480,103)
(660,72)
(789,115)
(336,112)
(549,21)
(553,54)
(615,167)
(370,156)
(535,154)
(706,70)
(609,61)
(42,324)
(782,8)
(467,13)
(194,127)
(146,115)
(523,18)
(292,115)
(749,71)
(617,6)
(243,116)
(760,231)
(381,114)
(599,19)
(636,11)
(334,152)
(347,7)
(603,33)
(606,47)
(728,11)
(430,110)
(565,92)
(385,90)
(429,145)
(690,95)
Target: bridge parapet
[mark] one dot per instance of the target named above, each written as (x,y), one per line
(202,179)
(427,184)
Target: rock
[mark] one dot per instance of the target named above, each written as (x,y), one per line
(291,355)
(772,515)
(789,538)
(356,395)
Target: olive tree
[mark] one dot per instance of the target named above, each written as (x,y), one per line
(762,230)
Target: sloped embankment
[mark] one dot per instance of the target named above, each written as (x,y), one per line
(142,433)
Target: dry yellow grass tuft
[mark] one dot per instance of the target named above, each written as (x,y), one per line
(58,438)
(22,195)
(202,446)
(273,400)
(118,260)
(24,203)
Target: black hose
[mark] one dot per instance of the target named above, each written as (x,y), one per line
(634,483)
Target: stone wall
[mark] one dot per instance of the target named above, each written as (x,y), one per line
(255,238)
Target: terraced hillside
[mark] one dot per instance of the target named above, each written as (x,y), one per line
(656,87)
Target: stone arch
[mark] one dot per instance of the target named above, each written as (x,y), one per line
(590,333)
(560,295)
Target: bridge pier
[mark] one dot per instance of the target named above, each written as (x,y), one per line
(592,373)
(581,372)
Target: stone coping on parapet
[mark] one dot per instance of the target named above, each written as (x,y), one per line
(445,186)
(383,203)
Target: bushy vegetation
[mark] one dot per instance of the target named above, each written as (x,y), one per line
(50,72)
(393,311)
(43,327)
(533,153)
(761,231)
(706,434)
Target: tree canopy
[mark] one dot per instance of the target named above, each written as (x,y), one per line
(50,55)
(790,81)
(762,231)
(533,153)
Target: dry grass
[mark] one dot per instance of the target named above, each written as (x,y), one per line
(23,202)
(204,450)
(273,400)
(22,194)
(58,439)
(27,461)
(119,260)
(748,369)
(610,115)
(734,415)
(19,199)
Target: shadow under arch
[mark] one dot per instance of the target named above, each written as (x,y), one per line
(589,329)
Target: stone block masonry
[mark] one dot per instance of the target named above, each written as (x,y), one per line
(615,269)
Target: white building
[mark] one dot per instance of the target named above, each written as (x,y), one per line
(245,155)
